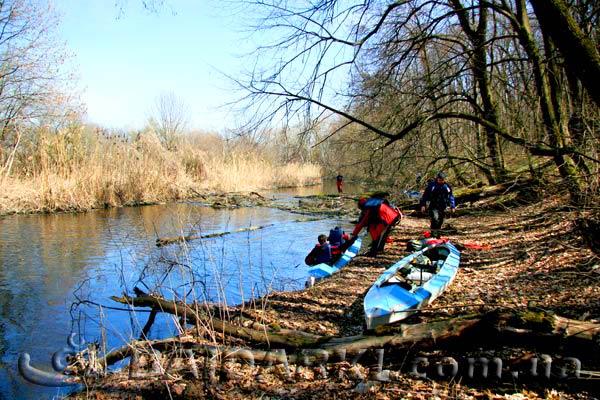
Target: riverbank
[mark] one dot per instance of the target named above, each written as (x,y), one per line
(77,170)
(519,257)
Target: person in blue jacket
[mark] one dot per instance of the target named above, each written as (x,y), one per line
(436,198)
(321,253)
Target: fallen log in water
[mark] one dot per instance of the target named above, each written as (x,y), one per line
(169,240)
(165,241)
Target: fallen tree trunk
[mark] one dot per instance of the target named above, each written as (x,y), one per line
(195,316)
(528,328)
(169,240)
(526,325)
(520,188)
(536,329)
(165,241)
(518,327)
(156,359)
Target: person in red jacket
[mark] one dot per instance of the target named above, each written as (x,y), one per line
(339,182)
(379,217)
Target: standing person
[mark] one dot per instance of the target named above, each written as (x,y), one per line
(321,253)
(379,217)
(339,182)
(437,197)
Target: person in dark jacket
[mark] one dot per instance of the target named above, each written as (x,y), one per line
(436,198)
(321,253)
(379,217)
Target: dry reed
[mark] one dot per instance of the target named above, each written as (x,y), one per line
(77,169)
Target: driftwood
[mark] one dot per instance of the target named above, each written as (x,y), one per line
(525,325)
(165,241)
(199,317)
(530,328)
(169,240)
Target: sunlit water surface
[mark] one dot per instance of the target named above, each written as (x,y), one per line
(49,263)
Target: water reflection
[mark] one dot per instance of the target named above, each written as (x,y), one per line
(49,262)
(327,187)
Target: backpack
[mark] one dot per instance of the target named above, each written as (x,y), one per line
(336,236)
(374,204)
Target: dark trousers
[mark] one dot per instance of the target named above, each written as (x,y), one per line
(378,245)
(437,218)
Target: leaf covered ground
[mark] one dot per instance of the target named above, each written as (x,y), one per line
(528,256)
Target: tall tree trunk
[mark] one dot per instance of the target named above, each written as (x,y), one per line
(549,103)
(576,124)
(477,37)
(580,54)
(566,164)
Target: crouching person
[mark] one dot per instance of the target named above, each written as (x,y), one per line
(379,217)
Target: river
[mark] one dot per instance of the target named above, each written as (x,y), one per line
(50,263)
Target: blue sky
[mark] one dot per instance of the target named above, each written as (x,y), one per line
(126,61)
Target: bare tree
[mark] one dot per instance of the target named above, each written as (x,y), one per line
(460,69)
(171,118)
(579,51)
(33,82)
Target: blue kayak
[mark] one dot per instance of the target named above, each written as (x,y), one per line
(411,284)
(323,270)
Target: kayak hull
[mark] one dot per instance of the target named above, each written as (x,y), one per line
(394,297)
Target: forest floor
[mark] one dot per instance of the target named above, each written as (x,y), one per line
(512,257)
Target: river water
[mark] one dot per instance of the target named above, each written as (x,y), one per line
(58,271)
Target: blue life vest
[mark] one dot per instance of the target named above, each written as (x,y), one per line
(336,237)
(324,255)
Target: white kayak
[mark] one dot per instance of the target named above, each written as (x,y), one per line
(412,283)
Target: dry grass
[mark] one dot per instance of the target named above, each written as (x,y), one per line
(79,170)
(238,172)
